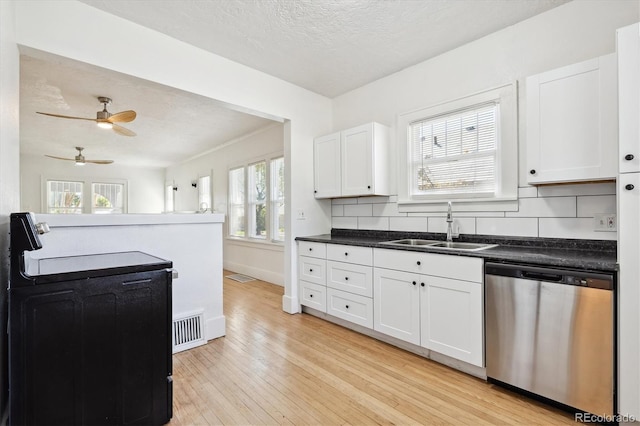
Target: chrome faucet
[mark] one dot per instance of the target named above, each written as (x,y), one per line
(449,223)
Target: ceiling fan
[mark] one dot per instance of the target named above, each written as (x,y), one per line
(79,159)
(105,119)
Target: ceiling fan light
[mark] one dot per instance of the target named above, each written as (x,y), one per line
(105,125)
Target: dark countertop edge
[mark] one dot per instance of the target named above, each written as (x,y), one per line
(592,255)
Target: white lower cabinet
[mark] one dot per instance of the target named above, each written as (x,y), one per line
(313,296)
(451,318)
(397,304)
(426,299)
(351,307)
(438,312)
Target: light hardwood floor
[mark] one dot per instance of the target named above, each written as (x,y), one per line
(276,368)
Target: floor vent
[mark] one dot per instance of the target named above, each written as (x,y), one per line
(240,278)
(188,332)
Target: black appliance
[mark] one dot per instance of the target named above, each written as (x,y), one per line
(89,336)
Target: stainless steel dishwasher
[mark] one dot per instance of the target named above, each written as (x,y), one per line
(551,332)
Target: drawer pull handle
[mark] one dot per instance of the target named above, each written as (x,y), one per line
(346,278)
(346,306)
(422,284)
(310,249)
(629,187)
(414,283)
(310,270)
(418,262)
(346,254)
(629,157)
(311,295)
(532,171)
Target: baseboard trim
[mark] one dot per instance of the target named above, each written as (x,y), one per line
(290,304)
(261,274)
(215,327)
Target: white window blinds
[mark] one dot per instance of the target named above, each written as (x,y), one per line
(455,153)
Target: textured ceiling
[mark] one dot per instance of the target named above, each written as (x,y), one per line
(171,125)
(327,46)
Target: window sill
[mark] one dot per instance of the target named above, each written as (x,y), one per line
(255,243)
(508,204)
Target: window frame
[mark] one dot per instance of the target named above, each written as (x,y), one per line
(87,192)
(506,191)
(248,205)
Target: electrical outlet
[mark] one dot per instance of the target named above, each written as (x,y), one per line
(605,222)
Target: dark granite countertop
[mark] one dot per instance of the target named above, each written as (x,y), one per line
(591,255)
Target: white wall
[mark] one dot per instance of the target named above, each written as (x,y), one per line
(576,31)
(260,260)
(73,29)
(145,185)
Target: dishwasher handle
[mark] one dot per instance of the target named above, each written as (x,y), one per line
(536,275)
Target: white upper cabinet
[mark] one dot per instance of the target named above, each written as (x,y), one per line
(326,166)
(572,123)
(354,162)
(629,98)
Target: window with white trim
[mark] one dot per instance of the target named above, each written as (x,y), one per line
(464,150)
(204,193)
(256,201)
(455,153)
(169,197)
(76,197)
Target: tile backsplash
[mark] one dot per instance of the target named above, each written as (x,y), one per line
(557,211)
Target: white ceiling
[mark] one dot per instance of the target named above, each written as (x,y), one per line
(327,46)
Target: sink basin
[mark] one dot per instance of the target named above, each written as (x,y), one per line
(411,242)
(462,246)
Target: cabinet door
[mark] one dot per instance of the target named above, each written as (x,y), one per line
(629,97)
(451,320)
(326,166)
(94,351)
(629,293)
(357,161)
(396,304)
(572,122)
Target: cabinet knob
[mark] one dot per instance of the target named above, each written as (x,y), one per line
(418,262)
(421,284)
(532,171)
(629,187)
(346,306)
(346,254)
(311,295)
(310,270)
(629,157)
(368,186)
(310,249)
(414,283)
(315,192)
(346,278)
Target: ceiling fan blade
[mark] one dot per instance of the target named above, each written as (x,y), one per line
(99,161)
(122,131)
(65,116)
(122,117)
(60,158)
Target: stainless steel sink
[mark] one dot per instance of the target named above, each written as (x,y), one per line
(462,246)
(411,242)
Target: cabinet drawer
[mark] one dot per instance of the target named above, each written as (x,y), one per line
(313,296)
(351,307)
(312,270)
(350,254)
(307,248)
(355,279)
(441,265)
